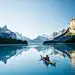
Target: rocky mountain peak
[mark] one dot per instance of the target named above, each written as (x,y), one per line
(4,27)
(72,25)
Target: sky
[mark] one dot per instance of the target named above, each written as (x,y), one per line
(36,17)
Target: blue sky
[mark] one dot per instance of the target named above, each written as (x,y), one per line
(36,17)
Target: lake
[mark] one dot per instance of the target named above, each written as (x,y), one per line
(25,60)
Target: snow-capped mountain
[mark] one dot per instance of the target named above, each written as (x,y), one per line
(6,33)
(61,32)
(41,38)
(21,37)
(53,35)
(56,34)
(60,38)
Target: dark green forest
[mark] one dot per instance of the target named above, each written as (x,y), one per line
(12,41)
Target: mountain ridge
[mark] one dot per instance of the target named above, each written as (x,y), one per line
(67,36)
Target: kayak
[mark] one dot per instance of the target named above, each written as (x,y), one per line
(48,62)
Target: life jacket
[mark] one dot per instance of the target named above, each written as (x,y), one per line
(47,58)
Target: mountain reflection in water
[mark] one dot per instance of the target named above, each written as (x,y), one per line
(66,52)
(6,52)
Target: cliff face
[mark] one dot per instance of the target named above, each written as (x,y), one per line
(72,26)
(68,35)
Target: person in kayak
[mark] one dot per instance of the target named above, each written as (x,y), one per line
(47,58)
(47,61)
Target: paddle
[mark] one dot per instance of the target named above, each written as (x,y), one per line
(50,54)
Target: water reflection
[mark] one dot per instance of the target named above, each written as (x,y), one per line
(66,50)
(58,49)
(72,58)
(6,52)
(26,59)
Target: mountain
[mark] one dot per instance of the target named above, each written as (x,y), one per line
(53,35)
(9,37)
(41,38)
(21,37)
(56,34)
(60,38)
(65,35)
(6,33)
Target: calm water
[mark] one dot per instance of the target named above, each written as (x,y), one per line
(22,60)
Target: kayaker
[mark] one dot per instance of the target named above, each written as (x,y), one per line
(47,58)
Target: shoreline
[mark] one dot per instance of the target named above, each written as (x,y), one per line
(13,45)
